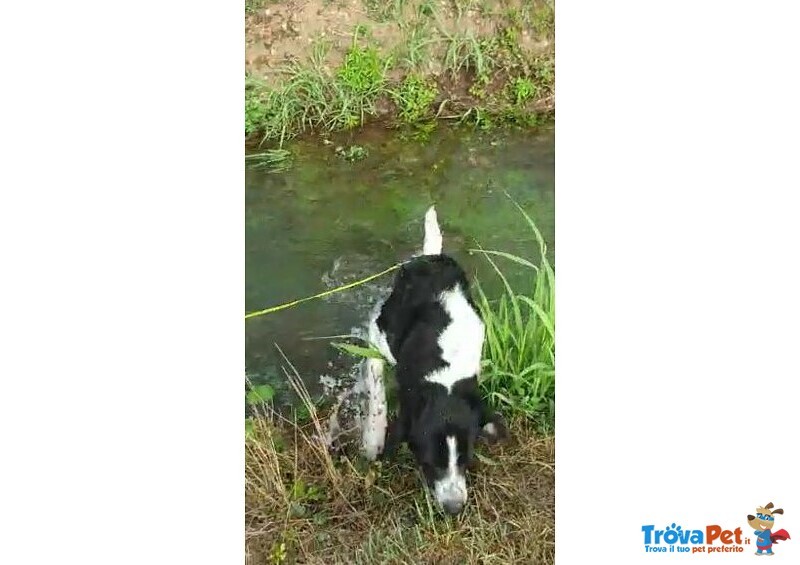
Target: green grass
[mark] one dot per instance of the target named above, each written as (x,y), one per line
(414,98)
(415,50)
(522,89)
(311,97)
(506,82)
(302,101)
(466,52)
(518,373)
(255,105)
(363,72)
(274,160)
(543,18)
(544,73)
(252,6)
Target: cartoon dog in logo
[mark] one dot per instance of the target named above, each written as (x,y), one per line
(762,523)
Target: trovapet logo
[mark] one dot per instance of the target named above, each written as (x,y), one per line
(676,539)
(715,538)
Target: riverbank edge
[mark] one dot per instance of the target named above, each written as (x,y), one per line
(498,75)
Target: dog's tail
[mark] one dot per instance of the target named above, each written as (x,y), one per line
(432,244)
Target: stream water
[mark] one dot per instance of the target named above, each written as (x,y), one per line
(326,221)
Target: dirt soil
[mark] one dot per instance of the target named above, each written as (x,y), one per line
(282,31)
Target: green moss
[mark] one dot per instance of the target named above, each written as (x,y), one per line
(352,153)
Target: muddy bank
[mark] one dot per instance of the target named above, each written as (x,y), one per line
(328,65)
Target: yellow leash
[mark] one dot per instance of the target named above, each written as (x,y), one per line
(321,294)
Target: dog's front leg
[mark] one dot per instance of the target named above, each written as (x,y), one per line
(376,412)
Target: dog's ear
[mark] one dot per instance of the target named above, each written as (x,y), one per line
(494,429)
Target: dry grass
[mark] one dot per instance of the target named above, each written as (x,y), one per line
(305,506)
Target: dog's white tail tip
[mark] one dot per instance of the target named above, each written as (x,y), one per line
(432,244)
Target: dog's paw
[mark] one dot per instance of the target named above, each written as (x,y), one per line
(372,452)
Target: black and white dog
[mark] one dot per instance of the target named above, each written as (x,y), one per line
(430,329)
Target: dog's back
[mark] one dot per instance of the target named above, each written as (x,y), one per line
(428,317)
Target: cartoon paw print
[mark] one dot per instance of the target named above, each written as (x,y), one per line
(672,533)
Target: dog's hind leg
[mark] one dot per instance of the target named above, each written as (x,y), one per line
(374,423)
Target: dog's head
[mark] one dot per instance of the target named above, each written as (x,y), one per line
(442,439)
